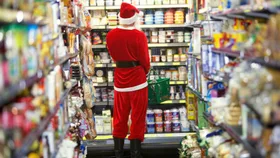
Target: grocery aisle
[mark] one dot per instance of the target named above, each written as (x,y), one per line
(220,57)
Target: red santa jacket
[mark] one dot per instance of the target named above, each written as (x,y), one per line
(129,44)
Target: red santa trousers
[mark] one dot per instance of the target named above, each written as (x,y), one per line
(136,102)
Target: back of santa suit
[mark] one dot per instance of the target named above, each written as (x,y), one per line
(127,44)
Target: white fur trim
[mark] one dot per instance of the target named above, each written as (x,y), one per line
(131,89)
(140,13)
(126,28)
(128,21)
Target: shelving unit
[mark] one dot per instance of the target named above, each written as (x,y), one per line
(138,6)
(151,135)
(11,92)
(62,137)
(182,63)
(227,52)
(112,84)
(152,45)
(197,94)
(269,63)
(20,17)
(174,102)
(144,26)
(32,136)
(235,135)
(249,11)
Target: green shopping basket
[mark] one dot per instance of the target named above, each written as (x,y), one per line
(158,89)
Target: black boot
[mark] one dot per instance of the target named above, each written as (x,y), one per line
(135,148)
(118,147)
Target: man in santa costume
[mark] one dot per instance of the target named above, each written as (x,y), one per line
(129,49)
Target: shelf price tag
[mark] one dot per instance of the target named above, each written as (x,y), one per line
(168,135)
(167,102)
(176,63)
(161,64)
(99,65)
(113,65)
(180,82)
(172,82)
(182,101)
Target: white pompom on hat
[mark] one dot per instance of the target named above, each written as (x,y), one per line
(128,14)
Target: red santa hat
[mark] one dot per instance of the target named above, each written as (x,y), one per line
(129,14)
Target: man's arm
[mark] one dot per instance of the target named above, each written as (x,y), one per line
(143,51)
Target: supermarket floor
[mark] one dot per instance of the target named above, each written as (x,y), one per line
(155,146)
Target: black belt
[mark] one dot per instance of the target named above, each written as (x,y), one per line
(127,64)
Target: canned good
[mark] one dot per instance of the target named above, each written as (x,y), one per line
(176,126)
(159,127)
(167,126)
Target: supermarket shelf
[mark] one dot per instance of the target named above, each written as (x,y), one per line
(64,59)
(100,65)
(152,45)
(111,84)
(11,92)
(62,137)
(197,94)
(248,11)
(226,51)
(180,63)
(139,7)
(166,102)
(98,46)
(105,103)
(269,63)
(153,135)
(102,27)
(235,135)
(209,118)
(259,117)
(216,78)
(68,25)
(168,63)
(174,102)
(32,136)
(178,82)
(15,16)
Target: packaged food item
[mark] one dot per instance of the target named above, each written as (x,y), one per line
(176,126)
(151,127)
(158,2)
(185,126)
(150,2)
(159,127)
(167,126)
(175,114)
(173,1)
(150,116)
(165,2)
(167,115)
(175,76)
(158,115)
